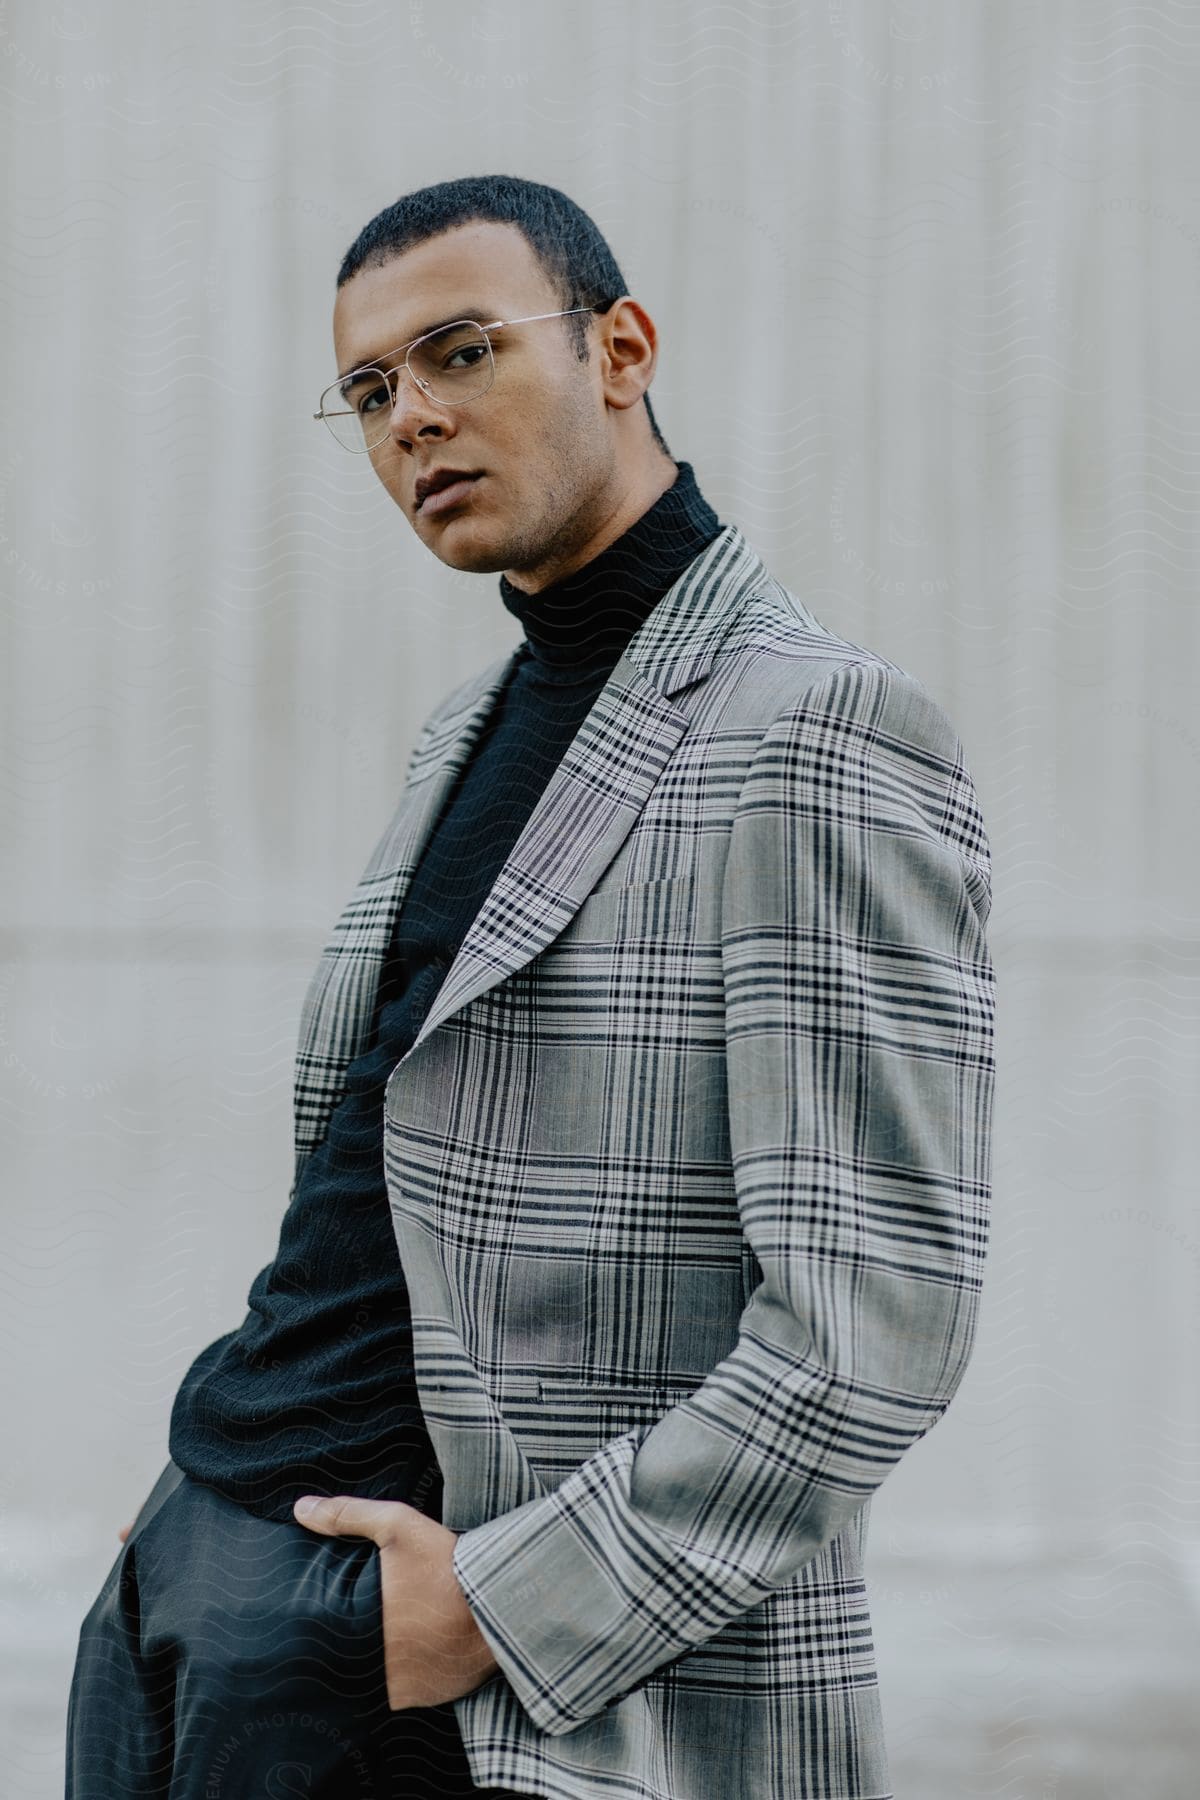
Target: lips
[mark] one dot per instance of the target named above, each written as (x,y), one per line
(443,489)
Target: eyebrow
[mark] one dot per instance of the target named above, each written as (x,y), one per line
(477,313)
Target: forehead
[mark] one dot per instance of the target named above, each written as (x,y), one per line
(481,266)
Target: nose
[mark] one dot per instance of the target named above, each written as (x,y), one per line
(412,409)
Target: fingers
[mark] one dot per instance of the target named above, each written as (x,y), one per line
(125,1531)
(349,1515)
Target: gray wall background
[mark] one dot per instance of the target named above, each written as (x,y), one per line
(926,278)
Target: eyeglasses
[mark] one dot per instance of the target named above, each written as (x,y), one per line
(451,366)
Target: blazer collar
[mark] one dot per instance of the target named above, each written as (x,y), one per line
(676,643)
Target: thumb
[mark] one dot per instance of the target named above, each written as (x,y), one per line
(343,1515)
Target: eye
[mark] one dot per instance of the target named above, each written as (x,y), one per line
(474,353)
(372,400)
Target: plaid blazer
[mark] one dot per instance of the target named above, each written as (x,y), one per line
(689,1170)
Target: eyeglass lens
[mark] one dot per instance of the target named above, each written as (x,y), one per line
(452,365)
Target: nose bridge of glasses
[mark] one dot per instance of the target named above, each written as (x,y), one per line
(384,422)
(392,377)
(404,367)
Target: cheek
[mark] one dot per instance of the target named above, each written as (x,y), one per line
(389,471)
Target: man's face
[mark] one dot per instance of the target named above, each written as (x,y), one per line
(539,439)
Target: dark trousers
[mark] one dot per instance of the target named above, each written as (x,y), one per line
(229,1657)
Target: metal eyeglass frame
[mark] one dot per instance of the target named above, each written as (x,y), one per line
(386,375)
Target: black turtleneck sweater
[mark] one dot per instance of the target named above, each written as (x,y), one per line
(314,1392)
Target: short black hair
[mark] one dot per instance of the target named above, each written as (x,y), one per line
(567,243)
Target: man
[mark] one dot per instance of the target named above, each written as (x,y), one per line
(643,1105)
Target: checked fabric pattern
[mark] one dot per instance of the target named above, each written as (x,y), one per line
(689,1170)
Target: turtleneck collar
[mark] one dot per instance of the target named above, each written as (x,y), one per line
(588,617)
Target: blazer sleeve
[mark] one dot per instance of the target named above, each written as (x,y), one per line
(859,999)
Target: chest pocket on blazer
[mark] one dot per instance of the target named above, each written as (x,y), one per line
(642,913)
(657,1395)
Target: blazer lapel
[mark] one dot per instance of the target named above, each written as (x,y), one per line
(605,777)
(583,816)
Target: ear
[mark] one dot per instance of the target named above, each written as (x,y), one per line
(627,345)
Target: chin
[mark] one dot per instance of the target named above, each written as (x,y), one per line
(459,550)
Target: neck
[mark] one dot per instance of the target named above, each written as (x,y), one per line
(639,493)
(584,620)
